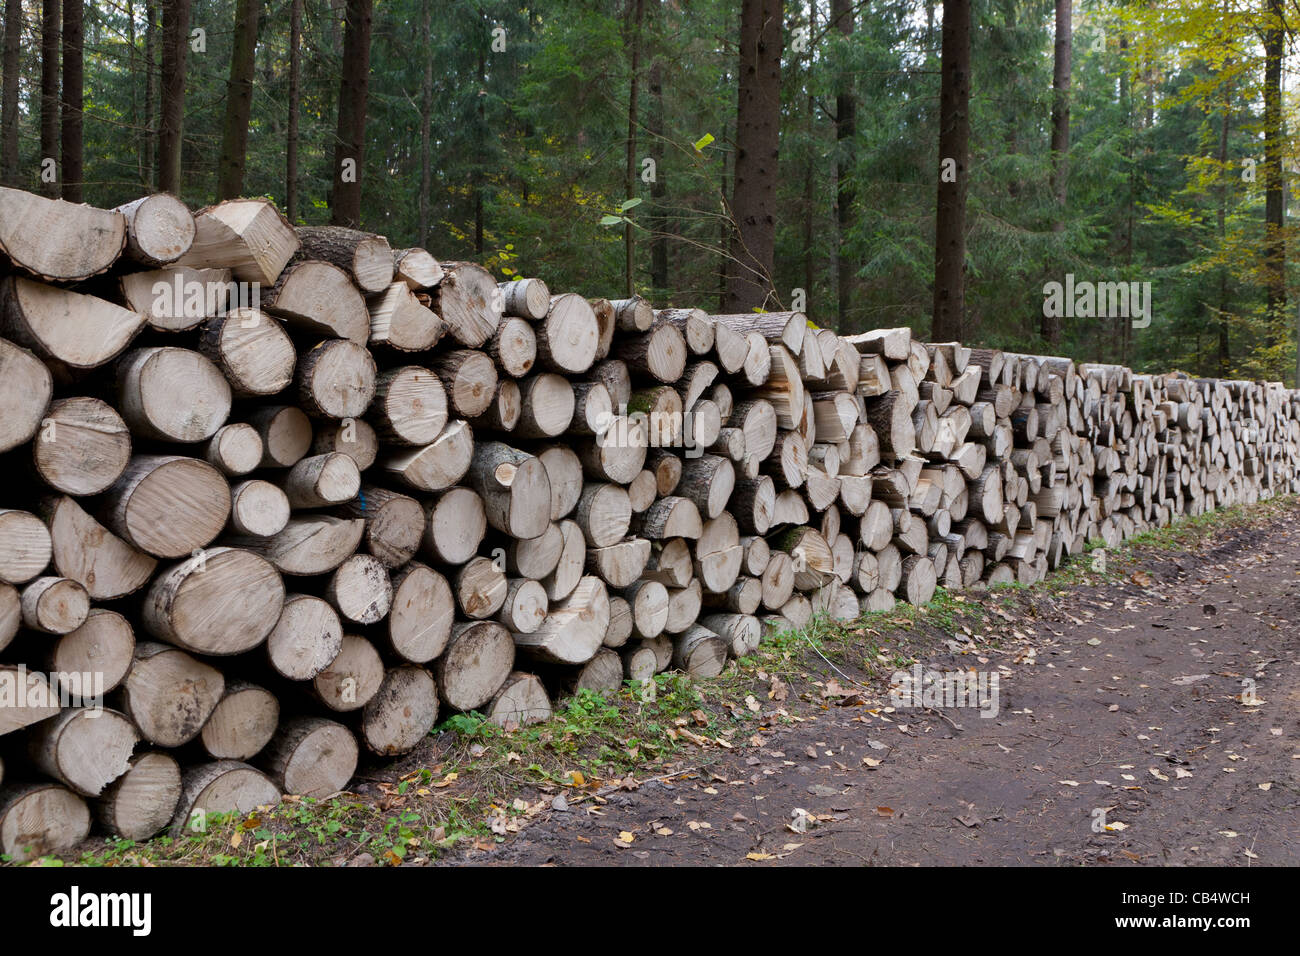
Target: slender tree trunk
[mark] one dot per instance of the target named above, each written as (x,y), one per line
(291,133)
(954,142)
(9,100)
(171,118)
(50,29)
(480,153)
(1051,325)
(758,123)
(845,131)
(72,136)
(239,101)
(353,90)
(659,188)
(629,238)
(1221,217)
(426,122)
(1274,210)
(148,147)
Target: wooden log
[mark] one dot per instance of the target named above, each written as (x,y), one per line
(401,713)
(505,409)
(528,299)
(419,624)
(480,588)
(306,638)
(336,379)
(648,602)
(700,652)
(25,546)
(620,622)
(641,492)
(234,449)
(435,466)
(538,558)
(730,347)
(694,324)
(311,757)
(753,503)
(684,605)
(222,786)
(593,409)
(743,597)
(604,672)
(670,564)
(74,330)
(614,375)
(757,421)
(179,298)
(99,653)
(39,819)
(569,336)
(718,555)
(520,702)
(286,434)
(619,564)
(169,695)
(172,394)
(604,513)
(469,377)
(469,302)
(83,446)
(319,298)
(398,320)
(54,605)
(141,802)
(477,661)
(757,554)
(786,328)
(639,662)
(514,487)
(81,549)
(659,354)
(455,526)
(258,508)
(670,517)
(574,627)
(311,544)
(525,606)
(417,268)
(366,258)
(395,523)
(25,397)
(410,405)
(56,240)
(740,632)
(352,678)
(564,472)
(708,481)
(243,722)
(85,749)
(360,590)
(320,481)
(188,604)
(514,347)
(247,236)
(547,406)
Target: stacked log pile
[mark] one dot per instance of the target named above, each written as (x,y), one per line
(247,538)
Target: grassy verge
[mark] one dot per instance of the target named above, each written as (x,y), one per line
(476,784)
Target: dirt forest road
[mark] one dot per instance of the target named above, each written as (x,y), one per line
(1121,737)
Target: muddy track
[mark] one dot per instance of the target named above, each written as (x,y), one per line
(1120,737)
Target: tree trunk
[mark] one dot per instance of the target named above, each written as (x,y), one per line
(1051,325)
(954,141)
(426,123)
(758,121)
(629,238)
(175,24)
(291,135)
(658,188)
(1274,206)
(351,137)
(50,29)
(239,102)
(845,130)
(74,77)
(148,146)
(9,100)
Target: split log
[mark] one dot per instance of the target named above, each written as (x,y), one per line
(469,302)
(538,558)
(315,544)
(395,523)
(470,379)
(480,588)
(416,267)
(620,622)
(708,481)
(574,627)
(26,396)
(75,330)
(320,481)
(319,298)
(670,564)
(56,240)
(247,236)
(398,320)
(786,328)
(619,565)
(514,487)
(435,466)
(520,701)
(179,298)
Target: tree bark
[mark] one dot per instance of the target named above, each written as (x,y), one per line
(637,8)
(845,130)
(426,123)
(954,142)
(1051,325)
(9,100)
(351,138)
(50,29)
(758,121)
(71,128)
(291,134)
(175,25)
(239,102)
